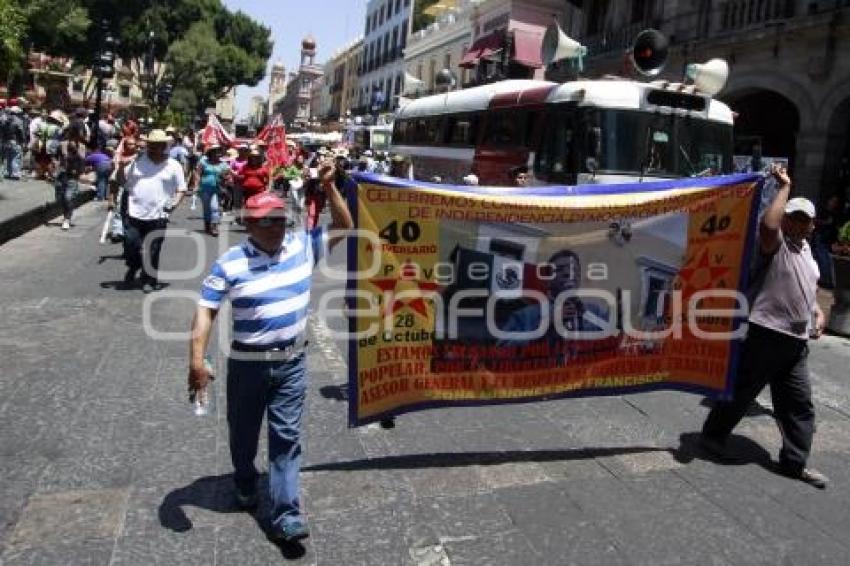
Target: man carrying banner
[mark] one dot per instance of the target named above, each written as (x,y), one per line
(267,278)
(784,314)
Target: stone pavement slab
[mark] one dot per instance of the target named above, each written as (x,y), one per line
(102,461)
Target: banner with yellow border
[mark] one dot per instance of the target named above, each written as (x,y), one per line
(484,295)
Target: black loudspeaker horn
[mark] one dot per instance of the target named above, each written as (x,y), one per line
(649,52)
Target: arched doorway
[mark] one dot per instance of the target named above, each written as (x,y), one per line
(765,119)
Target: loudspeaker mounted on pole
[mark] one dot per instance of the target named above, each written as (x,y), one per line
(649,52)
(709,77)
(558,46)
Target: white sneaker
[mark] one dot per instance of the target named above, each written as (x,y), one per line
(66,225)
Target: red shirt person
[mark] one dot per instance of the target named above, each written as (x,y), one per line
(254,176)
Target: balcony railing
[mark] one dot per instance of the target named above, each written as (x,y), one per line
(729,18)
(741,14)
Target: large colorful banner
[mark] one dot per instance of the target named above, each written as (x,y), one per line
(478,295)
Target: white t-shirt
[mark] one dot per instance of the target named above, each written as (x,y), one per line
(787,297)
(151,186)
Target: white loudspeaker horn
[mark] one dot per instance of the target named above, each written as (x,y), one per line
(558,46)
(412,85)
(709,77)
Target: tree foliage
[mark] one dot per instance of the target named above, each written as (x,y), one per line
(12,28)
(422,20)
(207,48)
(217,54)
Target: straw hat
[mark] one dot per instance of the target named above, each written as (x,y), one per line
(157,136)
(59,117)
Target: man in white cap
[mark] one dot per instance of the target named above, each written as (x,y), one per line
(155,185)
(783,316)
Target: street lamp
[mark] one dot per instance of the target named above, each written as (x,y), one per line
(104,68)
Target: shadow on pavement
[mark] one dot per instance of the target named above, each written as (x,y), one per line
(135,285)
(739,451)
(216,493)
(334,392)
(461,459)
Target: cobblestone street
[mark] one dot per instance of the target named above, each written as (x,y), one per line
(103,462)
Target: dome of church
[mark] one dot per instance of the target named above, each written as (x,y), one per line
(309,43)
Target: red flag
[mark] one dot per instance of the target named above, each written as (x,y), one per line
(214,133)
(274,134)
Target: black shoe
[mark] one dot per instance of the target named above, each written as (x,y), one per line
(806,475)
(130,276)
(152,282)
(388,423)
(246,498)
(292,532)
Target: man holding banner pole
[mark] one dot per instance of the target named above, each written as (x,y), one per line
(783,315)
(267,278)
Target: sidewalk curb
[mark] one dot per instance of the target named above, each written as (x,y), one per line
(19,225)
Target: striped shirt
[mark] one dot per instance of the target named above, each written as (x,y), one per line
(269,294)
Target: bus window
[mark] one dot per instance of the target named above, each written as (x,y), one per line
(501,130)
(705,148)
(530,128)
(400,131)
(433,131)
(459,130)
(420,135)
(556,159)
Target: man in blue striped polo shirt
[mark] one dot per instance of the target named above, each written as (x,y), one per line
(267,279)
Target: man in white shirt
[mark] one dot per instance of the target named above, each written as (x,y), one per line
(155,185)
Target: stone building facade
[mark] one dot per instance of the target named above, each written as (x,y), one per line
(788,83)
(296,105)
(387,29)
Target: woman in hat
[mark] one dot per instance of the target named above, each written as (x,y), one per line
(208,179)
(253,177)
(48,135)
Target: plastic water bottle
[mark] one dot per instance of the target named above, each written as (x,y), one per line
(194,204)
(202,400)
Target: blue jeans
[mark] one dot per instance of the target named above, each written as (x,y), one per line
(14,159)
(209,201)
(102,182)
(65,189)
(277,388)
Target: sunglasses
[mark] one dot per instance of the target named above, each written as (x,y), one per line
(267,222)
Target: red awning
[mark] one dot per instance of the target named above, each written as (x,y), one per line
(527,46)
(483,47)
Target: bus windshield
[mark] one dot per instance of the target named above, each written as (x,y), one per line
(658,145)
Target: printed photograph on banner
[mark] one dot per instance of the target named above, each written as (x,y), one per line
(588,276)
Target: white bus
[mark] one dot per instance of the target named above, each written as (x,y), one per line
(587,131)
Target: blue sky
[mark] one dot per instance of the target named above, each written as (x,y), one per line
(333,23)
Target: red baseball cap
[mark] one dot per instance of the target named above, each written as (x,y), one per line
(264,205)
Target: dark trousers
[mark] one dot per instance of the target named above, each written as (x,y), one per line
(770,357)
(278,390)
(147,235)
